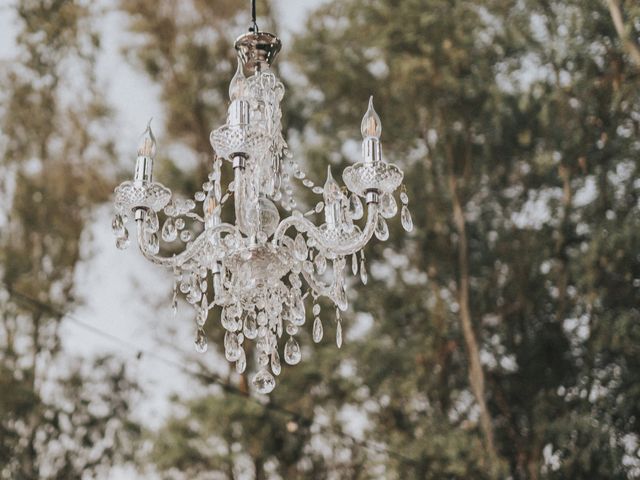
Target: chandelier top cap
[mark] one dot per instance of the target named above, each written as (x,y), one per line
(258,49)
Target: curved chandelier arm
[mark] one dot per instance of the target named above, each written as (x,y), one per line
(305,226)
(191,251)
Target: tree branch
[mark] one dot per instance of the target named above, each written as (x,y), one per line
(629,44)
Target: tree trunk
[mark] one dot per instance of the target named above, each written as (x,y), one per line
(629,44)
(476,374)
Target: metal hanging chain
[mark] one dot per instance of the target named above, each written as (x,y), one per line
(254,26)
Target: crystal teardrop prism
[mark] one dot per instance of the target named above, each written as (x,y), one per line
(339,333)
(381,230)
(292,354)
(122,242)
(250,329)
(276,366)
(263,381)
(241,363)
(232,349)
(405,218)
(169,230)
(201,343)
(300,248)
(354,264)
(363,272)
(151,223)
(355,206)
(321,263)
(318,331)
(117,225)
(388,205)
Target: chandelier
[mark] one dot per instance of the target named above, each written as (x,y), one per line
(259,268)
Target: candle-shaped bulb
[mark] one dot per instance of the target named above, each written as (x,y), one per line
(147,146)
(238,84)
(331,193)
(371,125)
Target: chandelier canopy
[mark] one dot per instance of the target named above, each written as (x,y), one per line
(261,268)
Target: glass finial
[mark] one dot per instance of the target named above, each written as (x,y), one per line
(371,125)
(238,83)
(147,146)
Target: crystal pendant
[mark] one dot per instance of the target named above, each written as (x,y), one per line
(388,205)
(185,235)
(355,205)
(153,244)
(122,242)
(241,363)
(321,263)
(232,349)
(405,218)
(381,230)
(354,264)
(117,225)
(250,329)
(292,354)
(169,230)
(151,223)
(318,331)
(316,309)
(263,381)
(363,272)
(300,248)
(276,366)
(339,333)
(201,343)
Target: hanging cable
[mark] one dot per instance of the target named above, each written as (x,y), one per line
(302,420)
(254,26)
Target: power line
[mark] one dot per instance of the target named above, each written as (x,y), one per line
(34,303)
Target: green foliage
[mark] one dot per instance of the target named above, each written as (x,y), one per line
(59,418)
(524,118)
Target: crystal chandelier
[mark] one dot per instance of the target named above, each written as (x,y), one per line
(259,268)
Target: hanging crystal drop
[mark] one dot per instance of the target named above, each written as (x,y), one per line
(405,217)
(300,248)
(354,264)
(241,363)
(316,309)
(321,263)
(231,347)
(153,244)
(292,354)
(122,242)
(151,223)
(355,205)
(180,223)
(388,205)
(363,272)
(117,225)
(169,231)
(318,331)
(174,299)
(185,235)
(250,329)
(263,381)
(276,366)
(403,195)
(381,230)
(339,332)
(201,343)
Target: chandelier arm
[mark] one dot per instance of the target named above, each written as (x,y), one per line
(305,226)
(191,251)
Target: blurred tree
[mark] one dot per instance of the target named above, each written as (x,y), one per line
(59,418)
(505,333)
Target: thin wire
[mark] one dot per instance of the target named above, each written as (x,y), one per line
(254,26)
(209,376)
